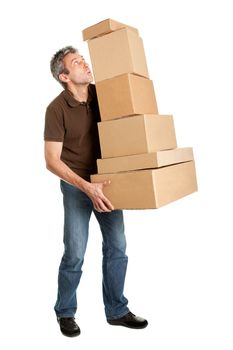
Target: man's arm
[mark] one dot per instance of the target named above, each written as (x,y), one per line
(58,167)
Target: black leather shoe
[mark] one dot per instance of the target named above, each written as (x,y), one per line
(68,326)
(130,321)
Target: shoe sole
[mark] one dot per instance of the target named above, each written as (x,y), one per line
(70,335)
(125,325)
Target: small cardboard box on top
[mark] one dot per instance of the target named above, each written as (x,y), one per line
(148,189)
(136,134)
(104,27)
(125,95)
(117,53)
(144,161)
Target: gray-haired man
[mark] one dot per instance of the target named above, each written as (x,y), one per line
(71,149)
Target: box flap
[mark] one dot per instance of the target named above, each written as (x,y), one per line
(104,27)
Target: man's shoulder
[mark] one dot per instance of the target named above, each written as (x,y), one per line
(57,102)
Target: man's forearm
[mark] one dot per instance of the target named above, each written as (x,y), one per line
(93,191)
(59,168)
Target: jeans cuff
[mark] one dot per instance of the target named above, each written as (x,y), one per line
(118,316)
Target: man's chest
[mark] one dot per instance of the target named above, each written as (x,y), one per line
(78,123)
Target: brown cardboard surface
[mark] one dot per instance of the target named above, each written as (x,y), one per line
(144,161)
(148,189)
(136,135)
(125,95)
(104,27)
(117,53)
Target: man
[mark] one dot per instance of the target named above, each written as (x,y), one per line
(71,149)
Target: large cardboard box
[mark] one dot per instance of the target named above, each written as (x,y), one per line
(117,53)
(136,135)
(144,161)
(125,95)
(147,189)
(104,27)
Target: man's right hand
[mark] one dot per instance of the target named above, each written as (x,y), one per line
(95,193)
(57,166)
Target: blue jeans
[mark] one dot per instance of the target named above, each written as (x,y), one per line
(77,209)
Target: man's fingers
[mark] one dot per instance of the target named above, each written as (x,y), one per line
(108,203)
(101,203)
(104,204)
(101,206)
(104,199)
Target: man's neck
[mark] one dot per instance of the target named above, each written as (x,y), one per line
(79,92)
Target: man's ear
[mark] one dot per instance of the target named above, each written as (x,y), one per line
(64,78)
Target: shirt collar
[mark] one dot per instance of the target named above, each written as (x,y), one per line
(72,102)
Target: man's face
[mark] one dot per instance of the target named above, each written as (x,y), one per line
(79,71)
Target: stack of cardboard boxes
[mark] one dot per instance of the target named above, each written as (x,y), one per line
(138,146)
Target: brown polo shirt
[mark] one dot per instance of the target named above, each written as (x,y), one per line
(75,124)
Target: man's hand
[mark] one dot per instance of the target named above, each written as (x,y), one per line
(57,166)
(95,193)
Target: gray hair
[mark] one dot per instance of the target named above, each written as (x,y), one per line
(57,65)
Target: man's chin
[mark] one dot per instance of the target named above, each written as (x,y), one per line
(87,80)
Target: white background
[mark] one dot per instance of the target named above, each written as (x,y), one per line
(180,256)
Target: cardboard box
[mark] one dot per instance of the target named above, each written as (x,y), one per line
(148,189)
(144,161)
(136,135)
(117,53)
(125,95)
(104,27)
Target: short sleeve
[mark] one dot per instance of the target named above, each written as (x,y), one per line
(54,129)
